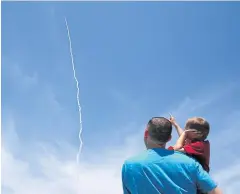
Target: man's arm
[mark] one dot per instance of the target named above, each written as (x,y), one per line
(215,191)
(204,182)
(124,179)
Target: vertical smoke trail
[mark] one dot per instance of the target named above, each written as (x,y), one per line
(77,85)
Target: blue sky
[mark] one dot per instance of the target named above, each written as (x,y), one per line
(133,61)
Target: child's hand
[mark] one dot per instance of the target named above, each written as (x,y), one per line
(172,119)
(175,124)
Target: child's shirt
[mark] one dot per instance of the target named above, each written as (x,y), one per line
(200,150)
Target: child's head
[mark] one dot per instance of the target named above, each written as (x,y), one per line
(200,125)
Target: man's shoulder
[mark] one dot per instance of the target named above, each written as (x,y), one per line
(137,158)
(182,157)
(169,161)
(147,154)
(168,155)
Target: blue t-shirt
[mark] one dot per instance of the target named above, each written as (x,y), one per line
(161,171)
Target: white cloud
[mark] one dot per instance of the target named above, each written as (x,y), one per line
(63,175)
(29,85)
(52,169)
(15,76)
(229,178)
(202,99)
(60,174)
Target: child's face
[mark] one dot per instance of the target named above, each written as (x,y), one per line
(192,134)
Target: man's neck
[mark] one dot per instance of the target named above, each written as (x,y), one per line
(154,145)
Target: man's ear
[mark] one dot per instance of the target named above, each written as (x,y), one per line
(145,136)
(146,133)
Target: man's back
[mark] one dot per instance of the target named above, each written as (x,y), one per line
(162,171)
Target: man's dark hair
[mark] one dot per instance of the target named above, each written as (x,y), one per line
(159,129)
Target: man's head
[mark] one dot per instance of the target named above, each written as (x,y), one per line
(159,130)
(200,125)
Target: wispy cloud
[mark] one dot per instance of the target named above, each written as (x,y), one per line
(39,167)
(14,76)
(229,177)
(58,173)
(30,100)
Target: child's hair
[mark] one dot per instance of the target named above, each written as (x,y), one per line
(200,125)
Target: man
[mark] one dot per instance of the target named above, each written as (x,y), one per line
(161,171)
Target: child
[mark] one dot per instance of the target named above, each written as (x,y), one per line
(193,141)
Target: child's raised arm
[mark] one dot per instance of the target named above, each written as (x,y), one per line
(180,142)
(174,123)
